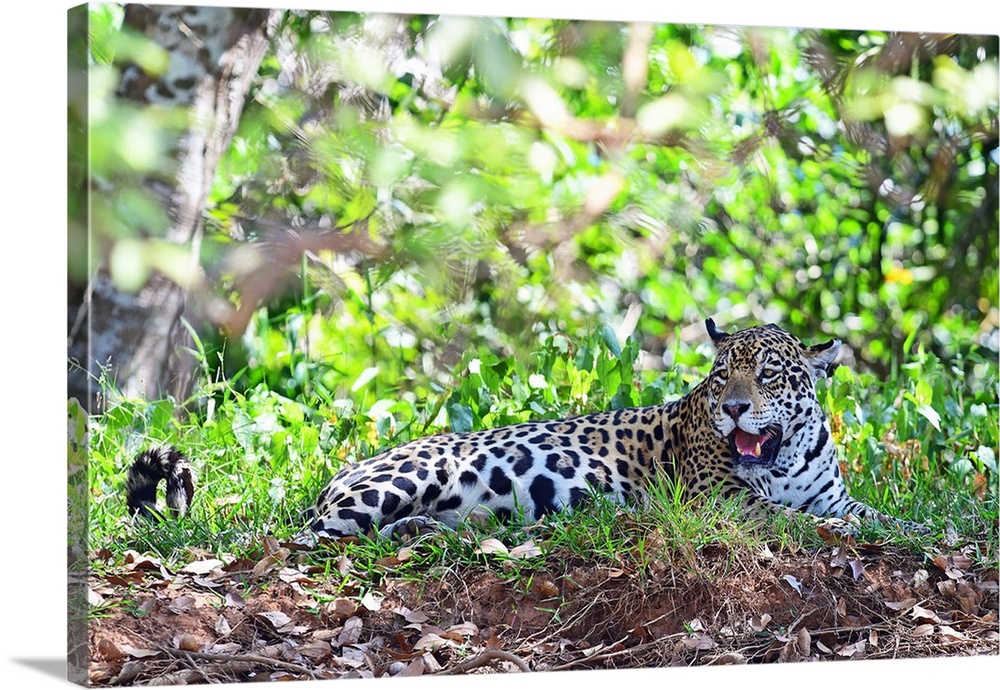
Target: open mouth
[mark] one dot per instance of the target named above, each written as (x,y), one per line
(751,449)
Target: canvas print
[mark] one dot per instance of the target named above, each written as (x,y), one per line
(408,344)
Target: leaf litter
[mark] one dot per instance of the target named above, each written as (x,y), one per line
(222,619)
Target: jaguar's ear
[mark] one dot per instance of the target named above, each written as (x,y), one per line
(713,331)
(821,358)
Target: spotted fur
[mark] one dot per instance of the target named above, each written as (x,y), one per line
(754,426)
(147,471)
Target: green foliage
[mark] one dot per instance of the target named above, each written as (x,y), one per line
(919,447)
(549,235)
(839,182)
(922,444)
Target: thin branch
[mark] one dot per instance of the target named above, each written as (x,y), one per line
(276,257)
(241,658)
(483,659)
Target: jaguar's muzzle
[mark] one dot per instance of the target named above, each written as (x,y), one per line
(753,449)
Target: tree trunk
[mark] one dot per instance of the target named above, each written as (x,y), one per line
(139,340)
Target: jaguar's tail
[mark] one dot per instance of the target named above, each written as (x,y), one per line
(148,468)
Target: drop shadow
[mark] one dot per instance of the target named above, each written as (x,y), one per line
(51,667)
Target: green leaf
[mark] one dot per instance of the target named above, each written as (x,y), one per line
(623,398)
(366,376)
(931,415)
(611,340)
(308,439)
(460,417)
(924,393)
(584,358)
(988,457)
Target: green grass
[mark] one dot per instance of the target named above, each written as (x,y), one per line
(261,458)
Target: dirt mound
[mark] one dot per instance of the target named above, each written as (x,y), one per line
(243,620)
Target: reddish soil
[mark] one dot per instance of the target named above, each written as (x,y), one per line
(272,619)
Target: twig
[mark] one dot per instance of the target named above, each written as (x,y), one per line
(483,659)
(238,658)
(611,654)
(194,667)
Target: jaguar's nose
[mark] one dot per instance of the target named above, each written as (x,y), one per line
(735,410)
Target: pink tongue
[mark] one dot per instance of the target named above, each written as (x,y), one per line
(748,444)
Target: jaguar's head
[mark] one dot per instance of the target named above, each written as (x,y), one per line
(761,388)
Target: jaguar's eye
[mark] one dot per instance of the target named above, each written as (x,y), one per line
(768,373)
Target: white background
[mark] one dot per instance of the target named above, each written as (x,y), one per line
(33,393)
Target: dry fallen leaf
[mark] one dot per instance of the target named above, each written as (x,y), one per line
(903,605)
(182,603)
(372,600)
(835,531)
(432,642)
(295,576)
(411,616)
(271,545)
(341,608)
(135,577)
(353,657)
(316,650)
(414,668)
(491,545)
(850,650)
(268,564)
(431,664)
(202,567)
(139,653)
(795,583)
(467,629)
(130,669)
(526,550)
(949,634)
(351,632)
(278,620)
(802,641)
(953,565)
(226,648)
(919,613)
(222,627)
(699,641)
(136,561)
(109,650)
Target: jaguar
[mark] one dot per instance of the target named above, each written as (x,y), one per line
(752,427)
